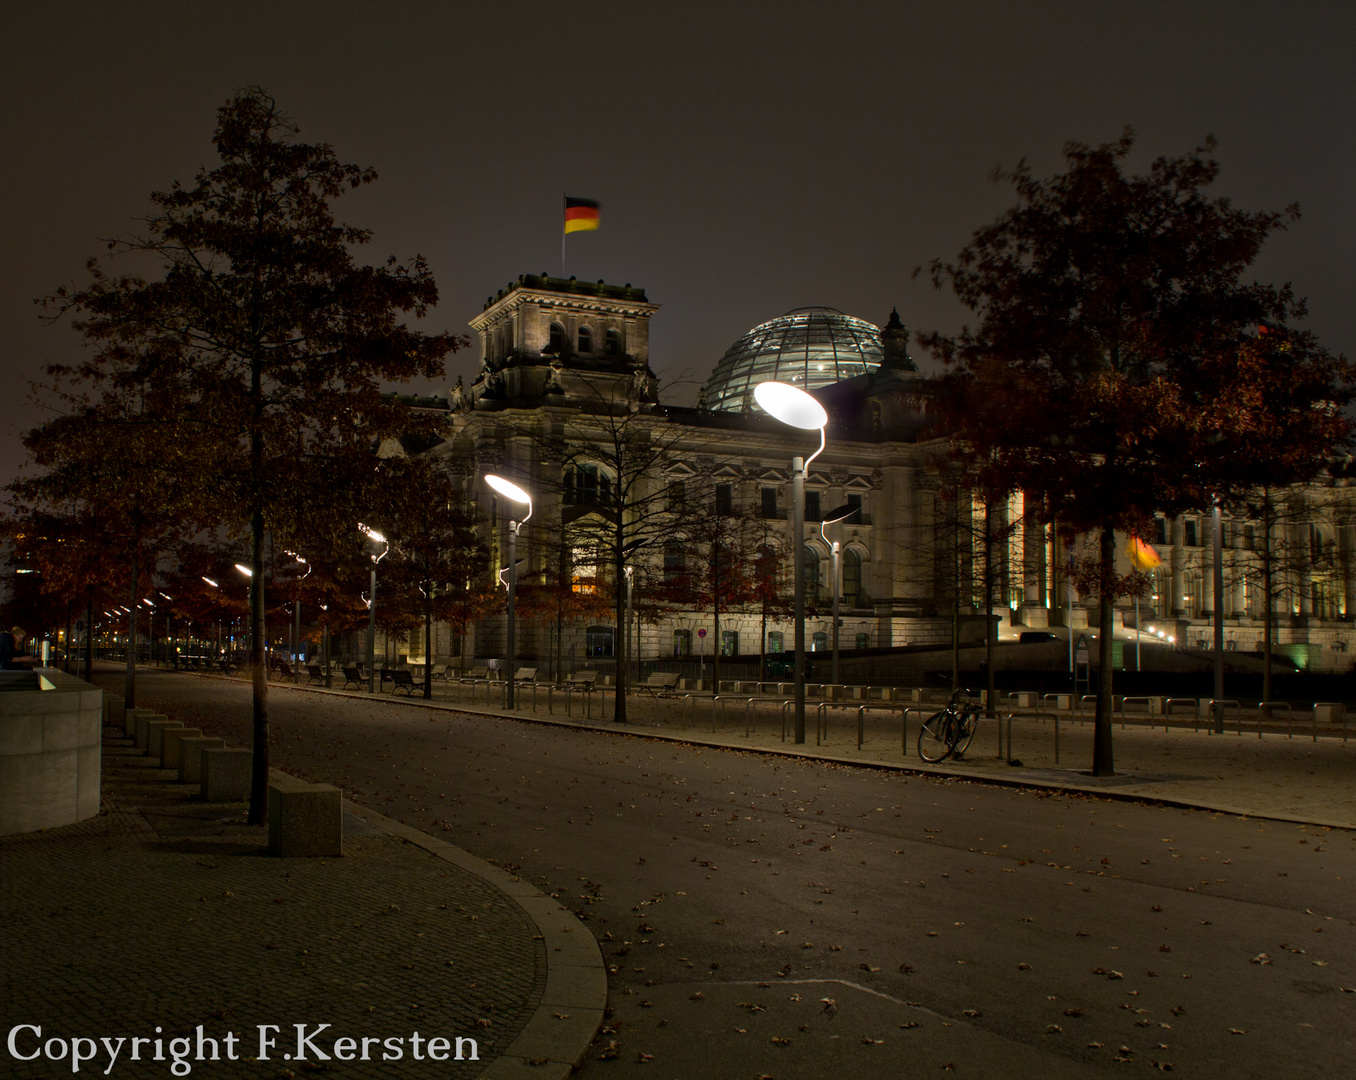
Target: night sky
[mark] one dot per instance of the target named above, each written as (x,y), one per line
(750,158)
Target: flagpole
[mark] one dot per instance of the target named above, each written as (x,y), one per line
(563,198)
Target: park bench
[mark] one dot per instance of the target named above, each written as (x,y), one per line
(316,673)
(227,667)
(402,679)
(581,680)
(283,670)
(354,676)
(438,671)
(660,684)
(475,675)
(526,674)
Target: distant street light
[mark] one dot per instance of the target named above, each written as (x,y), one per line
(515,494)
(841,513)
(376,538)
(794,407)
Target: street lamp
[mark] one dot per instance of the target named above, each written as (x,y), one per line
(841,513)
(794,407)
(376,538)
(513,493)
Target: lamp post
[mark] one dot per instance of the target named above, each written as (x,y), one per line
(795,408)
(841,513)
(376,538)
(513,493)
(630,571)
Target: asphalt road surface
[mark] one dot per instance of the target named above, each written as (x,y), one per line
(765,917)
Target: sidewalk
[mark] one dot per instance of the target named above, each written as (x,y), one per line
(165,912)
(1300,778)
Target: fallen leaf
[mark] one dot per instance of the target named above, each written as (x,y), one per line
(1237,1031)
(1260,958)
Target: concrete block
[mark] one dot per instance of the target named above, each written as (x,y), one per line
(155,738)
(88,761)
(1026,699)
(304,820)
(129,726)
(169,746)
(1059,701)
(190,756)
(1328,712)
(143,718)
(226,774)
(115,715)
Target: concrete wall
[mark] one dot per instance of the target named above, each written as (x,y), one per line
(49,754)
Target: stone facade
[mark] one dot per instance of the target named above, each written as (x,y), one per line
(566,405)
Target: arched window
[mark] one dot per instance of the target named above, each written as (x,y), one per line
(612,343)
(774,641)
(557,344)
(682,643)
(598,641)
(852,578)
(675,564)
(819,641)
(810,558)
(585,340)
(587,485)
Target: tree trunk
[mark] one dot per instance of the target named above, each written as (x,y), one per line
(619,568)
(130,682)
(258,674)
(1268,599)
(428,650)
(989,688)
(1103,761)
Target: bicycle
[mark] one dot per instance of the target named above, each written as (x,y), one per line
(948,733)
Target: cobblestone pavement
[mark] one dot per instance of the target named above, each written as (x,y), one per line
(164,916)
(1294,771)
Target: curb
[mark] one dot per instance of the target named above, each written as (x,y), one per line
(952,772)
(556,1036)
(1017,781)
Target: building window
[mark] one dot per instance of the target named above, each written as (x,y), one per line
(588,485)
(557,344)
(674,563)
(1160,530)
(863,641)
(682,643)
(598,641)
(774,641)
(725,499)
(1249,537)
(612,343)
(676,497)
(765,573)
(812,506)
(769,502)
(819,641)
(729,643)
(810,558)
(1189,532)
(585,340)
(852,578)
(855,518)
(584,563)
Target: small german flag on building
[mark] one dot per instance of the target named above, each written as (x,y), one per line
(581,215)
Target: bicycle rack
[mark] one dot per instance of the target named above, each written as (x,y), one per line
(1220,703)
(1168,703)
(1148,704)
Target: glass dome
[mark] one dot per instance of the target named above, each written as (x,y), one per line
(809,347)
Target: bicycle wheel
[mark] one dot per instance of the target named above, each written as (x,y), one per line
(934,738)
(968,722)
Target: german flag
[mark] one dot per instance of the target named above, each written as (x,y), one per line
(581,215)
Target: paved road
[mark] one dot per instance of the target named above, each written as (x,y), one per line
(766,917)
